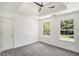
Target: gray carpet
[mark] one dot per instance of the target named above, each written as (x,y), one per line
(38,49)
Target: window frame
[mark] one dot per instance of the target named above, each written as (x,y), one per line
(44,35)
(67,37)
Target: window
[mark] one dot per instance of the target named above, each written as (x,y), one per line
(67,30)
(46,28)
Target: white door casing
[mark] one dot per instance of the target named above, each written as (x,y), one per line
(0,35)
(7,30)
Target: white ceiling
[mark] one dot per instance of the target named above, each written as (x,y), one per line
(29,7)
(58,8)
(9,6)
(26,7)
(8,9)
(72,6)
(61,7)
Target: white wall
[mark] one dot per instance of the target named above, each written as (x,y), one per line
(26,30)
(26,25)
(54,38)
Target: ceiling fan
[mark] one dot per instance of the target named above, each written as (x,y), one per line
(41,5)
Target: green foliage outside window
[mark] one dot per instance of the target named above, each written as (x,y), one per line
(67,28)
(46,28)
(67,24)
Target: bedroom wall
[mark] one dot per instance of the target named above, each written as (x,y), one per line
(26,30)
(25,25)
(54,38)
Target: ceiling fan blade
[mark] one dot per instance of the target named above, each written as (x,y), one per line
(52,7)
(41,4)
(37,4)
